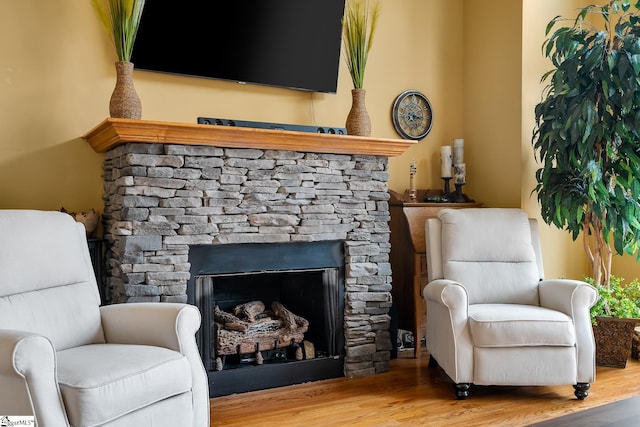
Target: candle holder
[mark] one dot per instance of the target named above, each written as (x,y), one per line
(459,196)
(446,193)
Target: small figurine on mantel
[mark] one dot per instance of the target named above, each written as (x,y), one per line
(413,169)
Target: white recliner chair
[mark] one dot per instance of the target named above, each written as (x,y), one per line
(491,318)
(70,362)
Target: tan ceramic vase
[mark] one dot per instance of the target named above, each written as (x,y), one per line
(125,103)
(358,121)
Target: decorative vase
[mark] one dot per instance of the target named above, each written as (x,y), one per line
(125,103)
(358,121)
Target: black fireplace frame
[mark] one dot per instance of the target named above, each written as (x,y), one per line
(253,258)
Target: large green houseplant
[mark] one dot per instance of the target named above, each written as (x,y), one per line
(121,19)
(587,138)
(587,133)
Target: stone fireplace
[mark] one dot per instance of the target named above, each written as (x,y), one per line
(170,188)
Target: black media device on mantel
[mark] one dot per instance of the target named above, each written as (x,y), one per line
(284,43)
(268,125)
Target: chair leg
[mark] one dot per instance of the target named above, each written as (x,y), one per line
(462,390)
(433,363)
(582,390)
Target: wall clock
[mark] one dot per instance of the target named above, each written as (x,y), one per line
(412,115)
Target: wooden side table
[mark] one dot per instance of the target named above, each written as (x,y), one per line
(408,258)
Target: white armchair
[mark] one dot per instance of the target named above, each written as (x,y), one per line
(70,362)
(491,318)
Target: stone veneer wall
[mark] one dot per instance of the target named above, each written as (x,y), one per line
(161,198)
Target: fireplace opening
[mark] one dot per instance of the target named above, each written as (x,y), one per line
(272,314)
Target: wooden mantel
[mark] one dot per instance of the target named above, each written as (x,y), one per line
(113,132)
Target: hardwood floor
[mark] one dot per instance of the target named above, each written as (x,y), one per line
(413,394)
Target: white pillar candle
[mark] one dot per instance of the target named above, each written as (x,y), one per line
(460,173)
(445,161)
(458,151)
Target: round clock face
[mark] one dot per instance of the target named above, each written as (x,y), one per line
(412,115)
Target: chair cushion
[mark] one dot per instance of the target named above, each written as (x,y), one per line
(490,253)
(512,325)
(45,268)
(42,250)
(102,382)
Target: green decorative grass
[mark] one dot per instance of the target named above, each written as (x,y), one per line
(358,26)
(121,19)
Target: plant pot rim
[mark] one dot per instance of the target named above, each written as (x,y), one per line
(621,319)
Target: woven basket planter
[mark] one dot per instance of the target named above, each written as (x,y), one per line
(614,337)
(635,347)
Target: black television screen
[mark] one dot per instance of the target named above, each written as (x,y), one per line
(284,43)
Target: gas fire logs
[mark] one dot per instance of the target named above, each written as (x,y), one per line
(252,329)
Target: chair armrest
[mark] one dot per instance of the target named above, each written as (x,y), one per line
(574,298)
(568,296)
(448,336)
(169,325)
(447,292)
(28,378)
(166,325)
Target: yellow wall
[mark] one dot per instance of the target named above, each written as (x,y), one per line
(52,80)
(492,100)
(431,61)
(626,267)
(478,62)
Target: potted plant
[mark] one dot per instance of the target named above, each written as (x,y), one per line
(358,26)
(121,19)
(587,132)
(614,317)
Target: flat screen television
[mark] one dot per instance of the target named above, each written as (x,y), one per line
(284,43)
